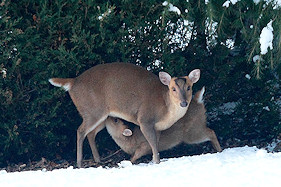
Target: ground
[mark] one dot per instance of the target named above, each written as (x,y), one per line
(112,155)
(111,160)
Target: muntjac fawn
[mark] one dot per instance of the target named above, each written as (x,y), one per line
(190,129)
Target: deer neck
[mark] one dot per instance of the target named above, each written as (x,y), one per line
(174,113)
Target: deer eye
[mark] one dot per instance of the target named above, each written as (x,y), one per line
(174,89)
(188,88)
(115,120)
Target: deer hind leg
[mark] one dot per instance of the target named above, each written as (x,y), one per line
(92,141)
(200,135)
(214,140)
(142,150)
(87,126)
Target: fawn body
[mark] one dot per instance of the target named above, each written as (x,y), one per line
(190,129)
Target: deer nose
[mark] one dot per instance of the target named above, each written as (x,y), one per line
(183,104)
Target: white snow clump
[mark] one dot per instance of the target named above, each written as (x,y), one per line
(266,38)
(172,8)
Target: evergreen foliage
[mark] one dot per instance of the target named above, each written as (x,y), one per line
(41,39)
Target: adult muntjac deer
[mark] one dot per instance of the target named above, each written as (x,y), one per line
(190,129)
(131,93)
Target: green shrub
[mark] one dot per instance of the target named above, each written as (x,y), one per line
(42,39)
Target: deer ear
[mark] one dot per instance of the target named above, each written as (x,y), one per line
(127,132)
(194,75)
(165,78)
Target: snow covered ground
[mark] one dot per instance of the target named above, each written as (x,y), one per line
(237,167)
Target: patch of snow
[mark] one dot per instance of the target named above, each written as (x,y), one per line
(243,166)
(248,76)
(172,8)
(256,1)
(102,16)
(228,108)
(276,3)
(179,33)
(157,63)
(227,3)
(211,32)
(266,108)
(266,38)
(256,58)
(224,109)
(4,72)
(229,43)
(165,3)
(124,164)
(270,147)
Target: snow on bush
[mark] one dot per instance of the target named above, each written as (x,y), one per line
(172,8)
(226,4)
(266,38)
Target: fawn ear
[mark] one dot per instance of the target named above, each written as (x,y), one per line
(127,132)
(199,96)
(165,78)
(194,75)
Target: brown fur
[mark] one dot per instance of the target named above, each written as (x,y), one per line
(191,129)
(128,92)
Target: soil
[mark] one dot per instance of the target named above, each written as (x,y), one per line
(111,160)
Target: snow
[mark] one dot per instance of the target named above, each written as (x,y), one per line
(229,43)
(4,72)
(276,3)
(266,38)
(182,35)
(102,16)
(172,8)
(228,108)
(256,1)
(273,145)
(244,166)
(256,58)
(248,76)
(266,108)
(211,32)
(226,3)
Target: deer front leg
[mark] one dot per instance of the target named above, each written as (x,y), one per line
(152,137)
